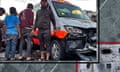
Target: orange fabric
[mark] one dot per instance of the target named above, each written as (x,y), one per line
(36,41)
(35,31)
(60,33)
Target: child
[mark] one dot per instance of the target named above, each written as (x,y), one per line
(12,32)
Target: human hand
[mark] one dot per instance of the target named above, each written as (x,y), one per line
(19,36)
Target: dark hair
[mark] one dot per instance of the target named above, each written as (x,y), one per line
(2,10)
(44,0)
(13,11)
(30,6)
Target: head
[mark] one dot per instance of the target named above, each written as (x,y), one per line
(30,6)
(2,11)
(13,11)
(44,3)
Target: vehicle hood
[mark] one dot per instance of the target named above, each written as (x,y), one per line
(78,23)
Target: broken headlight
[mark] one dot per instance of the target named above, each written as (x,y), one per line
(72,29)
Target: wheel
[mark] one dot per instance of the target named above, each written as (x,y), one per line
(57,50)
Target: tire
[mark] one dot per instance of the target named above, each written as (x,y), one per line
(57,50)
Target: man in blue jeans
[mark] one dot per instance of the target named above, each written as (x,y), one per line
(26,20)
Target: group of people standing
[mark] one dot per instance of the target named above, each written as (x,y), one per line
(20,26)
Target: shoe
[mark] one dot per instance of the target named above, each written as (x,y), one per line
(7,59)
(12,59)
(20,58)
(42,57)
(47,56)
(39,59)
(28,58)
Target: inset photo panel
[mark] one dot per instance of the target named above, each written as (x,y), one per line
(48,31)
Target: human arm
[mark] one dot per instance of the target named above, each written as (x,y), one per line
(4,27)
(18,27)
(19,32)
(52,19)
(36,20)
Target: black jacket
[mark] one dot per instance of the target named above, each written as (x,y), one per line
(43,18)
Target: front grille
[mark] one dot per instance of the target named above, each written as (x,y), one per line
(75,44)
(75,37)
(78,41)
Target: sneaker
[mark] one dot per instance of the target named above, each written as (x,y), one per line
(12,59)
(47,56)
(6,59)
(20,58)
(28,58)
(39,59)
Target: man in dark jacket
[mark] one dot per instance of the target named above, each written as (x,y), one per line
(43,18)
(26,19)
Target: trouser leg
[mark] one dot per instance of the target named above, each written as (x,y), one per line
(47,39)
(7,49)
(40,36)
(22,41)
(29,46)
(13,46)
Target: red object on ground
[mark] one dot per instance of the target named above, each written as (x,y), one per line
(35,40)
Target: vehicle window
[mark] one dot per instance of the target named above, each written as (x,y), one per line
(68,10)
